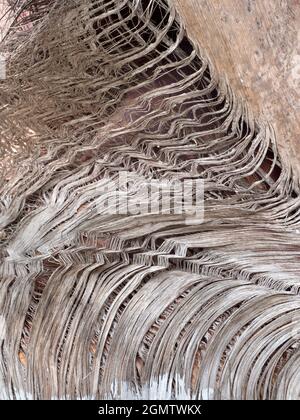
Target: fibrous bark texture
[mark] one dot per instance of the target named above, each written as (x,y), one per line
(98,305)
(256,43)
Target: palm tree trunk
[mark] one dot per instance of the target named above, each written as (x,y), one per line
(101,301)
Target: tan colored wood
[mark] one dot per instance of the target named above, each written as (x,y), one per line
(256,43)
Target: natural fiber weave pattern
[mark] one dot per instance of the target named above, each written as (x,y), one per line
(94,305)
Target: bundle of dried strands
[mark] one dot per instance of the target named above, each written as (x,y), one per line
(99,305)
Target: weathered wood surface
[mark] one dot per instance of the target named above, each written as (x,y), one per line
(256,44)
(99,304)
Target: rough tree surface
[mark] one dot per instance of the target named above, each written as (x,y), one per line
(95,305)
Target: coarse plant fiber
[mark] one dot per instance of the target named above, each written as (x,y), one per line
(94,305)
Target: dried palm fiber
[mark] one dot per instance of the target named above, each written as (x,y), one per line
(114,306)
